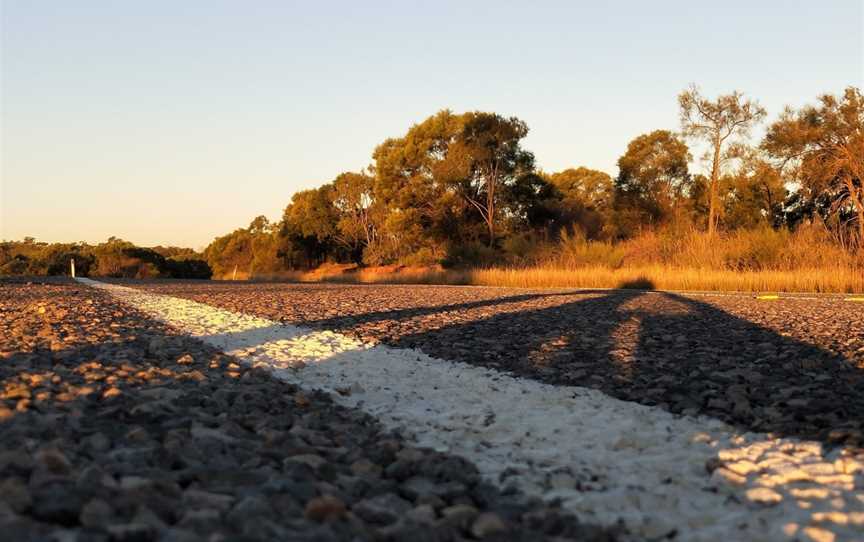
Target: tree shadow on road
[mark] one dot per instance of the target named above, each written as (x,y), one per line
(114,408)
(656,348)
(670,351)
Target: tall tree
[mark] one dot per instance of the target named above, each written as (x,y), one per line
(592,188)
(416,210)
(652,178)
(823,145)
(354,199)
(309,223)
(585,199)
(754,195)
(716,122)
(531,202)
(486,156)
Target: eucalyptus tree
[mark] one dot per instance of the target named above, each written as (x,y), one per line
(822,146)
(653,176)
(718,123)
(354,199)
(483,159)
(591,188)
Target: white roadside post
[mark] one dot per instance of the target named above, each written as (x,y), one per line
(72,265)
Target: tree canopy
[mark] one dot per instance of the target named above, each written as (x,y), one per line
(717,122)
(822,148)
(461,189)
(653,178)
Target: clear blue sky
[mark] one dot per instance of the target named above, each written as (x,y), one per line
(173,122)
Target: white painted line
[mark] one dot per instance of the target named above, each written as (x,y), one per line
(606,459)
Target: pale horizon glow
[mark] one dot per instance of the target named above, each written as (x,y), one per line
(172,123)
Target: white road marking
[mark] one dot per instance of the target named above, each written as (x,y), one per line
(607,460)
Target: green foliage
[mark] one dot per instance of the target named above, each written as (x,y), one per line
(460,190)
(251,250)
(754,196)
(591,188)
(18,265)
(310,226)
(718,122)
(472,254)
(114,258)
(653,181)
(576,251)
(822,148)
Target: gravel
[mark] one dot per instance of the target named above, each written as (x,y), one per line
(604,459)
(793,367)
(115,427)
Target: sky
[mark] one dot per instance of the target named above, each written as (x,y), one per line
(165,122)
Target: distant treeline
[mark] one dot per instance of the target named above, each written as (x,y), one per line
(460,190)
(114,258)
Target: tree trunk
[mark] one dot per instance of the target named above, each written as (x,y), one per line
(858,201)
(712,196)
(490,206)
(860,229)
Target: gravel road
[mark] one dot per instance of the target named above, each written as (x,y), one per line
(793,367)
(115,427)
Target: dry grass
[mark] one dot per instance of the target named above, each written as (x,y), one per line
(842,280)
(837,280)
(761,260)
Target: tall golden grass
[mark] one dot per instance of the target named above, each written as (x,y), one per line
(837,280)
(762,260)
(669,278)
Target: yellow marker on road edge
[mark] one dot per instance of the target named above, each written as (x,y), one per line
(854,299)
(768,297)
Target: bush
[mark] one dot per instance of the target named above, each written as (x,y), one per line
(188,268)
(114,258)
(18,265)
(472,254)
(574,250)
(523,249)
(423,257)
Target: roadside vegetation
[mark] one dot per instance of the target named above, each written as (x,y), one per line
(759,260)
(458,199)
(113,258)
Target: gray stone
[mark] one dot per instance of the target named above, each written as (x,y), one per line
(459,515)
(179,535)
(423,514)
(488,524)
(57,503)
(146,516)
(14,492)
(200,520)
(131,532)
(96,513)
(382,509)
(324,508)
(196,498)
(417,486)
(53,460)
(249,508)
(97,442)
(93,478)
(312,460)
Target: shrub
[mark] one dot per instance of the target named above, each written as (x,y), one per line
(18,265)
(471,254)
(574,250)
